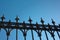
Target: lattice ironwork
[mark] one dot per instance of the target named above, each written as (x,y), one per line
(24,27)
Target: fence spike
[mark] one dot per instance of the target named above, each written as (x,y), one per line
(2,18)
(37,25)
(42,21)
(9,21)
(30,20)
(53,22)
(16,18)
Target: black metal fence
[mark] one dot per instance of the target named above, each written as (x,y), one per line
(24,27)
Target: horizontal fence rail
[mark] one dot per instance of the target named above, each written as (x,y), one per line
(24,27)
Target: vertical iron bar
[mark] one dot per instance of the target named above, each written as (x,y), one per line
(58,35)
(46,35)
(24,33)
(53,22)
(32,34)
(16,26)
(39,34)
(7,33)
(24,37)
(40,38)
(16,34)
(30,20)
(53,38)
(7,37)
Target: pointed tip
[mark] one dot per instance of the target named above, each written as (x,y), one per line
(52,19)
(17,18)
(2,17)
(41,18)
(48,24)
(30,20)
(9,20)
(23,21)
(42,21)
(53,22)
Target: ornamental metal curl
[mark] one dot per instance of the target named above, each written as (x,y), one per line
(24,27)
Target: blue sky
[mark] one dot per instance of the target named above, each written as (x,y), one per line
(36,9)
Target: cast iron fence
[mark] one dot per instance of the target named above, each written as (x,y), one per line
(24,27)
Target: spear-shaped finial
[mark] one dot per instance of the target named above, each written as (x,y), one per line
(37,25)
(16,18)
(2,18)
(9,21)
(53,22)
(30,20)
(49,26)
(42,21)
(24,24)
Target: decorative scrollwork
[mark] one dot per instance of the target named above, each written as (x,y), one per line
(24,27)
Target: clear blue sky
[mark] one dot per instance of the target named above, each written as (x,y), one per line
(36,9)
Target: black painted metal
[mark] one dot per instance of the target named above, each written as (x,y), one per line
(24,27)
